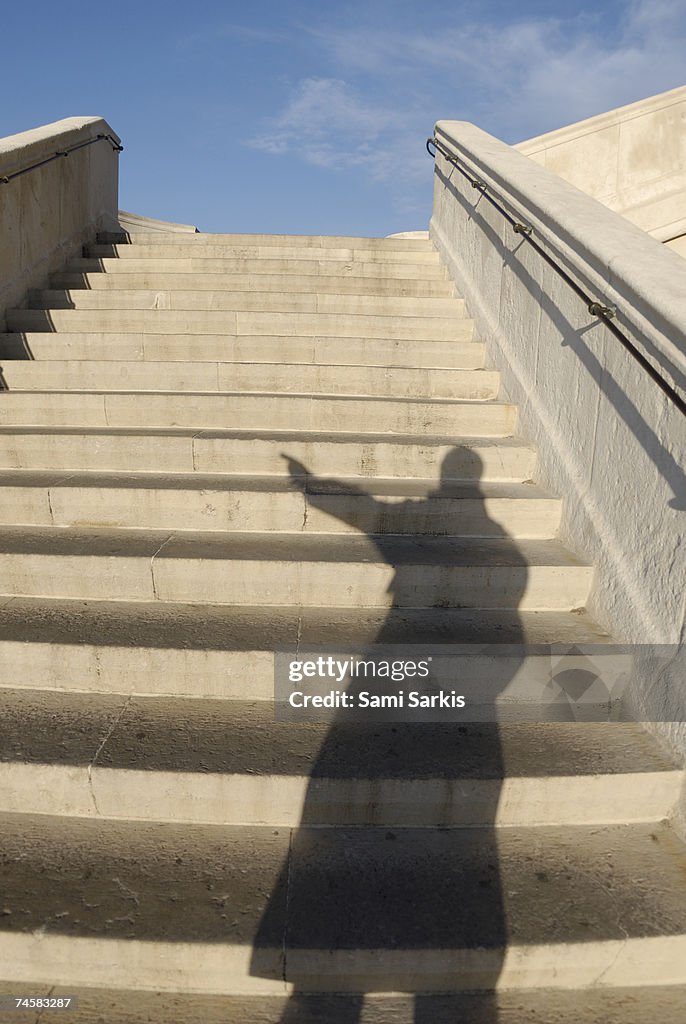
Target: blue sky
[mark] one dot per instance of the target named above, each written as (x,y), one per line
(311,118)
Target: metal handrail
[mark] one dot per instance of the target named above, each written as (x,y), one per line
(598,309)
(6,178)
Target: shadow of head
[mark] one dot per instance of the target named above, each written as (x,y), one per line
(461,465)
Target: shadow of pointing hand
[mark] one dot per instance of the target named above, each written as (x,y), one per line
(298,472)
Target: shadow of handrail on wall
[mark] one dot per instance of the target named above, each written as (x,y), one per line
(576,275)
(574,338)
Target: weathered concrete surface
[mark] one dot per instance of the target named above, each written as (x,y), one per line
(250,348)
(165,907)
(282,569)
(588,406)
(678,244)
(229,762)
(632,159)
(196,260)
(166,562)
(47,214)
(115,279)
(343,253)
(272,504)
(134,223)
(517,1006)
(242,322)
(269,378)
(365,454)
(409,234)
(253,378)
(257,411)
(387,245)
(226,651)
(291,301)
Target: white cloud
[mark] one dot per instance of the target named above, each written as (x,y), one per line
(529,75)
(515,79)
(329,124)
(246,35)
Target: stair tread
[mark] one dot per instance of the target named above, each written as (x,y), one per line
(110,319)
(249,377)
(394,890)
(326,350)
(156,364)
(237,433)
(425,490)
(410,308)
(199,262)
(186,735)
(244,324)
(81,275)
(295,547)
(243,627)
(22,396)
(337,251)
(43,298)
(258,238)
(630,1005)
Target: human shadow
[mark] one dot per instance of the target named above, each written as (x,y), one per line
(417,909)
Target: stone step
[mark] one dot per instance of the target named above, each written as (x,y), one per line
(130,261)
(257,411)
(222,762)
(201,238)
(612,1005)
(271,378)
(226,652)
(167,321)
(167,249)
(248,348)
(300,569)
(273,504)
(203,281)
(245,301)
(250,911)
(178,450)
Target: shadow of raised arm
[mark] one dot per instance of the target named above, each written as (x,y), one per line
(321,490)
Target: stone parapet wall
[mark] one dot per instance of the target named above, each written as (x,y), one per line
(609,440)
(632,159)
(47,214)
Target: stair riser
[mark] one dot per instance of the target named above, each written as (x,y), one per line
(259,412)
(168,347)
(196,580)
(288,801)
(201,239)
(184,672)
(161,321)
(271,283)
(218,968)
(288,302)
(132,263)
(302,254)
(176,509)
(72,375)
(110,452)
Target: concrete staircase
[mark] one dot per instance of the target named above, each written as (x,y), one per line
(169,852)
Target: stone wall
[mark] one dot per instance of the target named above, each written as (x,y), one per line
(47,214)
(632,159)
(609,440)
